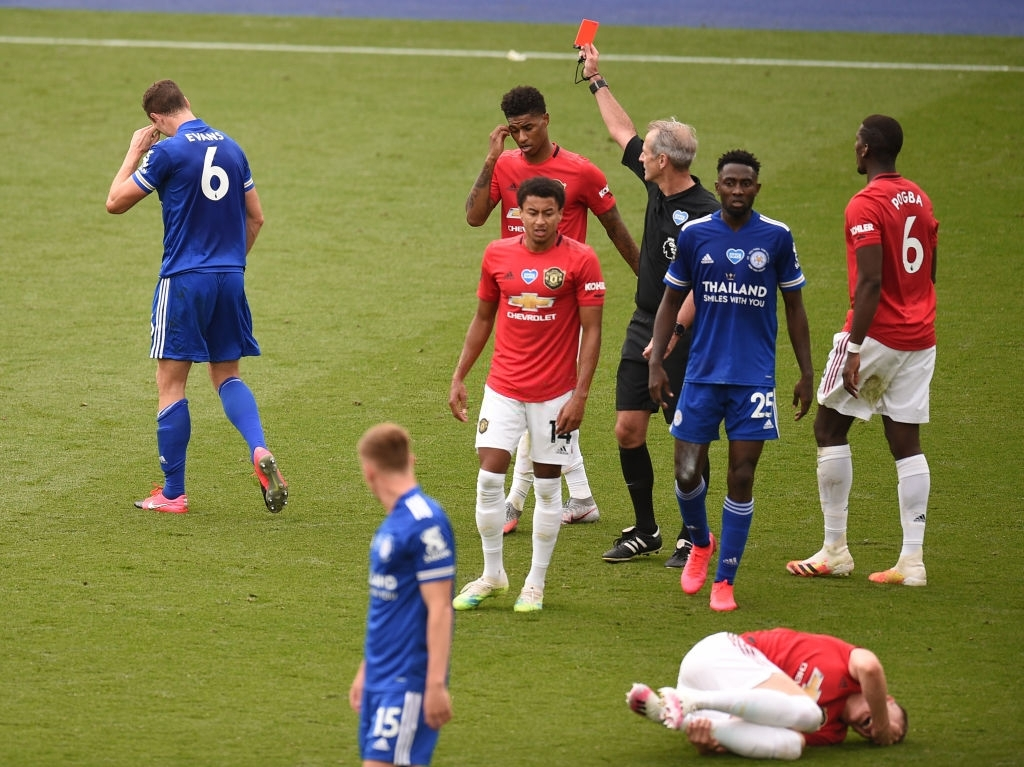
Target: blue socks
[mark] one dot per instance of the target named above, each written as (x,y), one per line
(173,430)
(736,519)
(240,408)
(693,509)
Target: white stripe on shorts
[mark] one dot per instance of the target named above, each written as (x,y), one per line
(158,331)
(835,363)
(407,727)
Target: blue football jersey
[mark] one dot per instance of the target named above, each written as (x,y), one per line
(201,176)
(735,278)
(414,544)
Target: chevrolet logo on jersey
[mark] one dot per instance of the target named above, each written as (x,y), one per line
(554,277)
(531,302)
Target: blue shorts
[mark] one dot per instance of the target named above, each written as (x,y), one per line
(748,412)
(202,317)
(392,730)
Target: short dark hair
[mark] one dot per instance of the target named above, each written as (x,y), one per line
(883,136)
(523,100)
(740,157)
(541,186)
(163,97)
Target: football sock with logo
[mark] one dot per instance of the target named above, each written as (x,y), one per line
(547,521)
(638,471)
(693,509)
(736,519)
(522,474)
(914,485)
(240,408)
(490,516)
(835,478)
(173,431)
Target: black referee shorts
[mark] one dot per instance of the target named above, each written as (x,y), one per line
(631,390)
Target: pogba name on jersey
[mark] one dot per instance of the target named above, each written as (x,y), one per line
(905,197)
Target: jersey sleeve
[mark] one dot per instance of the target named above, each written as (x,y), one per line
(679,274)
(153,169)
(435,552)
(431,541)
(631,157)
(863,222)
(791,276)
(488,289)
(591,288)
(249,182)
(600,199)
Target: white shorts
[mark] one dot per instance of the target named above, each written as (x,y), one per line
(892,383)
(724,661)
(503,421)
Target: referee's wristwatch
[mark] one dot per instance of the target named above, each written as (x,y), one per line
(598,84)
(680,329)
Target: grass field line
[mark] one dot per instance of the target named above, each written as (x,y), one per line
(483,54)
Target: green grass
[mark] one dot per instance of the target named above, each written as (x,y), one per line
(230,636)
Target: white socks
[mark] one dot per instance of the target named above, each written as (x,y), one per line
(757,741)
(576,479)
(522,473)
(835,478)
(490,517)
(522,476)
(761,706)
(547,521)
(914,480)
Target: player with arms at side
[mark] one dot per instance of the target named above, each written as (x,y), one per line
(586,189)
(883,359)
(542,295)
(735,262)
(767,694)
(211,215)
(401,687)
(661,160)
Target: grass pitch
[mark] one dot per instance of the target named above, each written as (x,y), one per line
(229,636)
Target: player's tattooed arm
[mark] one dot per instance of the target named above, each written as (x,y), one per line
(479,203)
(481,187)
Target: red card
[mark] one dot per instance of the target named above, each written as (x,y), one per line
(587,33)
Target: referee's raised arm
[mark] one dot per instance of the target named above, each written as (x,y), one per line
(620,126)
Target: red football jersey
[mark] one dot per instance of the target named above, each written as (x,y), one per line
(821,665)
(537,328)
(586,188)
(895,212)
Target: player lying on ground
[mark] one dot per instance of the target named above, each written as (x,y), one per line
(767,694)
